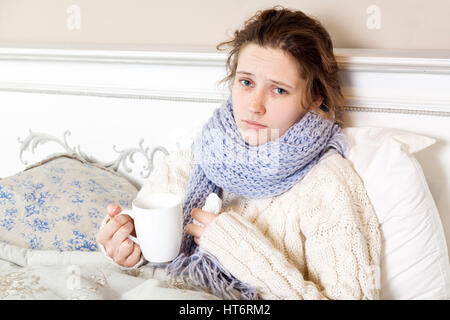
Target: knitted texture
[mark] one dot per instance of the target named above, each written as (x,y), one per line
(223,160)
(318,240)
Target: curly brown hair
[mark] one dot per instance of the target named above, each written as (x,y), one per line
(306,40)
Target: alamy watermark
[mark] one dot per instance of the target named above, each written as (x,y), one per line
(374,19)
(374,277)
(73,281)
(260,151)
(73,21)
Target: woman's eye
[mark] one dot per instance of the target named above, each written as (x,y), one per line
(282,91)
(245,83)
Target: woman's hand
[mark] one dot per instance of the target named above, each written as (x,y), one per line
(204,218)
(114,237)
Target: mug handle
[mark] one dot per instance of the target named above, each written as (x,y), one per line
(130,213)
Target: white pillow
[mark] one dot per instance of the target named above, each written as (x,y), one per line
(414,257)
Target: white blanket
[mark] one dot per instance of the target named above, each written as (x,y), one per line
(34,274)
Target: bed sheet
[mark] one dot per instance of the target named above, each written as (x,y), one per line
(53,275)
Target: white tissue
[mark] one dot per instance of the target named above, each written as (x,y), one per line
(213,204)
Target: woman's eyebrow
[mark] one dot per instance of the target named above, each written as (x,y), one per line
(274,81)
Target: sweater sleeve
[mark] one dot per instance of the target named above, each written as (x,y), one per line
(170,174)
(343,237)
(337,250)
(247,254)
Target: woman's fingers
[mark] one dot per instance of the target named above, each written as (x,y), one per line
(134,257)
(203,217)
(121,235)
(111,227)
(123,251)
(114,237)
(113,210)
(195,230)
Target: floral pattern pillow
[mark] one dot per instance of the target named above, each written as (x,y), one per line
(59,204)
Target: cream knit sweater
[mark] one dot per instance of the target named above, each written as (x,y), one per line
(318,240)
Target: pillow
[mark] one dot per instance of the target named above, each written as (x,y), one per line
(59,203)
(414,258)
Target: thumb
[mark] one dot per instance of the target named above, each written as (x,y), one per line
(113,210)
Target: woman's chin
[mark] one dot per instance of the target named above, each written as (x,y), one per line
(255,137)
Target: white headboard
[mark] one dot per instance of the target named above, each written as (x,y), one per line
(116,106)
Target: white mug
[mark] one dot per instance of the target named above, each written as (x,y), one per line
(158,221)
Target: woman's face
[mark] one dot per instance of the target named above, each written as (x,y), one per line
(267,89)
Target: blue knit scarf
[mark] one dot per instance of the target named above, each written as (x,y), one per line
(224,160)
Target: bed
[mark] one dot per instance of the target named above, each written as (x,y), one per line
(117,111)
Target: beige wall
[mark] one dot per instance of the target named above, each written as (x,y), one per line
(201,24)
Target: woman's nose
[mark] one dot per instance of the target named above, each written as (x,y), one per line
(257,105)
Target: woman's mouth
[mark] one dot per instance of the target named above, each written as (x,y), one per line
(254,125)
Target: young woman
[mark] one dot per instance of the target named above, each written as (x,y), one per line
(296,221)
